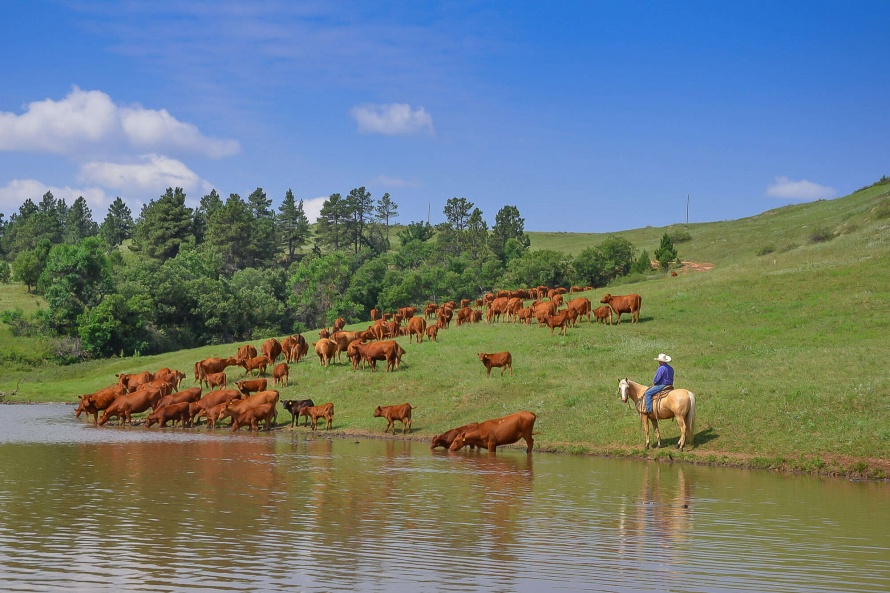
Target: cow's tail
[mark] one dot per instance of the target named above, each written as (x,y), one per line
(690,421)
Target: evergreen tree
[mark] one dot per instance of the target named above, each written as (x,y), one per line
(360,212)
(416,231)
(79,222)
(263,242)
(666,253)
(118,223)
(386,210)
(643,264)
(164,225)
(229,233)
(476,235)
(452,233)
(293,225)
(210,203)
(508,225)
(332,222)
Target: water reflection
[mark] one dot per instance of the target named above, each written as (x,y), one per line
(131,510)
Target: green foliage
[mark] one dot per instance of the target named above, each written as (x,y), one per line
(79,222)
(509,225)
(164,226)
(680,236)
(210,203)
(75,278)
(643,264)
(293,226)
(114,325)
(597,266)
(534,268)
(5,272)
(821,235)
(385,211)
(332,229)
(28,265)
(316,288)
(666,253)
(416,231)
(452,236)
(765,250)
(118,224)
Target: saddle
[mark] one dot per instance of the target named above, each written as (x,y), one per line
(656,399)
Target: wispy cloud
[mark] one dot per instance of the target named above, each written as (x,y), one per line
(392,119)
(799,191)
(149,173)
(396,182)
(14,194)
(91,121)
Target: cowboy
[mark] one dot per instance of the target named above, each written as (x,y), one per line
(663,376)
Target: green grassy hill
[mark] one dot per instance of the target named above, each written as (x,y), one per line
(786,351)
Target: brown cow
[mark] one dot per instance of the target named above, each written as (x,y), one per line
(339,324)
(325,411)
(190,395)
(326,350)
(213,365)
(571,316)
(628,303)
(353,354)
(416,327)
(211,400)
(343,339)
(602,313)
(497,359)
(272,349)
(215,380)
(582,305)
(401,412)
(432,333)
(525,315)
(324,334)
(174,378)
(287,348)
(172,412)
(257,363)
(237,406)
(501,431)
(387,350)
(253,416)
(445,439)
(281,374)
(560,320)
(375,314)
(246,351)
(443,317)
(407,312)
(132,403)
(134,380)
(248,386)
(576,289)
(430,310)
(497,308)
(93,403)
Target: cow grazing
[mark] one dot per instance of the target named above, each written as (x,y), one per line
(602,313)
(326,349)
(272,349)
(343,339)
(629,303)
(281,374)
(170,413)
(294,406)
(430,310)
(253,416)
(492,434)
(416,327)
(432,333)
(215,381)
(581,305)
(257,363)
(248,386)
(325,411)
(174,378)
(497,359)
(401,412)
(387,350)
(444,440)
(559,320)
(93,403)
(211,400)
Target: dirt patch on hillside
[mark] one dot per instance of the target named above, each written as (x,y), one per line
(691,266)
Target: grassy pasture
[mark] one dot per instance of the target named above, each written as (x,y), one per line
(787,352)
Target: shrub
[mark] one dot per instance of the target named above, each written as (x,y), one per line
(766,249)
(680,236)
(822,235)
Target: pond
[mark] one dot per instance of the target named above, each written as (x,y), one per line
(135,509)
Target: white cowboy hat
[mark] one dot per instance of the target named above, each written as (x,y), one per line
(663,358)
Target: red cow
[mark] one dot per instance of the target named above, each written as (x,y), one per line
(387,350)
(375,314)
(258,363)
(339,324)
(326,350)
(213,365)
(253,416)
(281,374)
(629,303)
(246,351)
(430,310)
(211,400)
(132,403)
(445,439)
(401,412)
(416,327)
(190,395)
(581,305)
(247,386)
(93,403)
(174,378)
(491,434)
(173,412)
(602,313)
(559,320)
(134,380)
(432,333)
(497,359)
(325,411)
(272,349)
(215,380)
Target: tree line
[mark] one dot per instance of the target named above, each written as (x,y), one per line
(228,270)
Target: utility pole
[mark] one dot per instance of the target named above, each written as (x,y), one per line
(428,213)
(687,211)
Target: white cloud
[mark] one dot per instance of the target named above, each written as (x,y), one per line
(150,173)
(801,191)
(397,182)
(14,194)
(392,119)
(312,208)
(89,120)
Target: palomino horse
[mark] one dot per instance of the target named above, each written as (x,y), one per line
(679,404)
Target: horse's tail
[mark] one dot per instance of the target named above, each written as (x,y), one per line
(690,420)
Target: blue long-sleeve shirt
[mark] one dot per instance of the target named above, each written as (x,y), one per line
(664,375)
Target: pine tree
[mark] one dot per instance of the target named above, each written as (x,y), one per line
(666,253)
(210,203)
(508,225)
(385,211)
(163,226)
(118,223)
(293,225)
(360,211)
(79,223)
(332,222)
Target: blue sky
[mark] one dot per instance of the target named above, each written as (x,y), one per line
(587,116)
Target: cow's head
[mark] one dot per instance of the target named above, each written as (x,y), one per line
(481,355)
(458,442)
(378,412)
(606,298)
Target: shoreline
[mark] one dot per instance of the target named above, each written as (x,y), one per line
(825,465)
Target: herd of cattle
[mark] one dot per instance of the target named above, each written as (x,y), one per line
(252,402)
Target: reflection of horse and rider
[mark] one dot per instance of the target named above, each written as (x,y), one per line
(661,402)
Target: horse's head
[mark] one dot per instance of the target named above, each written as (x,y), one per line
(622,389)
